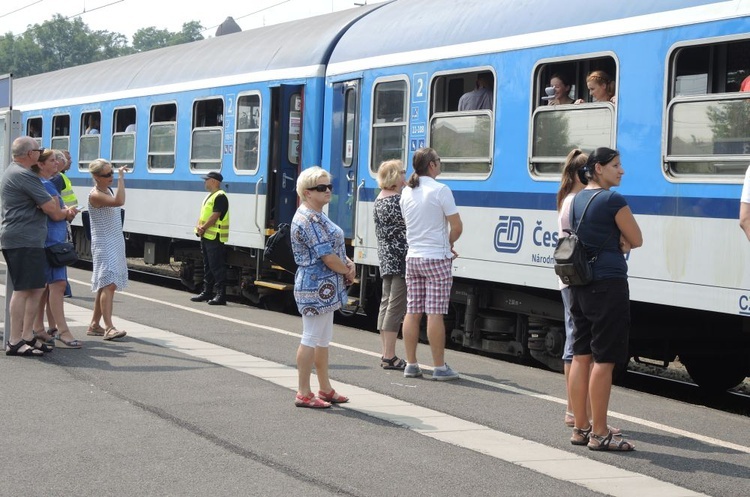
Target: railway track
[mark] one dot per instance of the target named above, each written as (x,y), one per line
(672,382)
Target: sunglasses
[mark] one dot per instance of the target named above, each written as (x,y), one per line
(321,188)
(40,150)
(108,175)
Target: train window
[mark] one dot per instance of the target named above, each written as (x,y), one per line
(89,141)
(389,123)
(161,137)
(61,132)
(295,128)
(208,134)
(247,141)
(350,129)
(34,129)
(707,135)
(462,132)
(123,137)
(558,124)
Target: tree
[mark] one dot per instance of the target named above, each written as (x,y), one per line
(150,38)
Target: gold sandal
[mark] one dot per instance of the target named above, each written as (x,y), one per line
(95,330)
(112,333)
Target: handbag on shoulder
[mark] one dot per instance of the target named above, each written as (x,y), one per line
(61,254)
(279,248)
(571,263)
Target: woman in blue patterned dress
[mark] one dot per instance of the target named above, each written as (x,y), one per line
(319,284)
(107,245)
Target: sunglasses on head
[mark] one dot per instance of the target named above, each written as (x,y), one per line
(321,188)
(108,175)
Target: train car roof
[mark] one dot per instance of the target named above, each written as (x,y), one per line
(304,45)
(421,29)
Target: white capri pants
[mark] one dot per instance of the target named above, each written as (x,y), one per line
(317,331)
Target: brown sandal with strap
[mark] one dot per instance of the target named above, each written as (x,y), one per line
(610,441)
(113,333)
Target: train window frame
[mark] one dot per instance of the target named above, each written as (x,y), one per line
(445,94)
(378,128)
(692,166)
(165,128)
(548,166)
(89,144)
(38,121)
(120,134)
(61,141)
(213,132)
(239,130)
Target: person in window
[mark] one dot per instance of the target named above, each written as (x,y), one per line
(390,231)
(561,85)
(479,98)
(319,284)
(745,86)
(745,205)
(601,309)
(93,126)
(601,87)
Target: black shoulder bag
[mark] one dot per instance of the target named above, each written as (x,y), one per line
(571,263)
(279,248)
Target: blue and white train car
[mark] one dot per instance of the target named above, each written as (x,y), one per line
(248,104)
(393,85)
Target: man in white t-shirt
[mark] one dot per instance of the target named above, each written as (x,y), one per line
(745,205)
(432,227)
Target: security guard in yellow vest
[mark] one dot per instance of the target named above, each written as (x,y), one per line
(213,230)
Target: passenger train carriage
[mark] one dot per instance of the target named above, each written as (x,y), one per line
(351,89)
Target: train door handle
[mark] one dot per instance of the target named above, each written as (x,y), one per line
(257,199)
(356,212)
(351,178)
(284,177)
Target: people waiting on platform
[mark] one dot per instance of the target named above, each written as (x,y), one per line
(319,285)
(50,162)
(433,225)
(390,231)
(600,309)
(110,270)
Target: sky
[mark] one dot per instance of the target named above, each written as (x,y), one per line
(127,16)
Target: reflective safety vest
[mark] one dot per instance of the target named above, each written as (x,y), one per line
(68,197)
(221,226)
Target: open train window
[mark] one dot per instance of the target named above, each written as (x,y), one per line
(89,140)
(161,137)
(61,132)
(247,141)
(350,126)
(462,123)
(208,134)
(390,99)
(708,111)
(558,123)
(123,137)
(34,129)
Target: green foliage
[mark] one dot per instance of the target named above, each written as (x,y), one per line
(59,43)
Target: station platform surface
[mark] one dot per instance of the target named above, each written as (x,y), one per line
(198,400)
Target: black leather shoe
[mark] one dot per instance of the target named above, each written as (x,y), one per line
(202,297)
(218,300)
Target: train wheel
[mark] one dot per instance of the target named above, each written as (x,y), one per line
(716,372)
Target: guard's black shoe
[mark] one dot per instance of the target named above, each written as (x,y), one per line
(202,297)
(218,300)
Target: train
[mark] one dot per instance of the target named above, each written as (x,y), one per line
(350,89)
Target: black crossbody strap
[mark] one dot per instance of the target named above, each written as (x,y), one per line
(572,211)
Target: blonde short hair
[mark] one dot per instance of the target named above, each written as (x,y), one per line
(309,178)
(96,166)
(389,174)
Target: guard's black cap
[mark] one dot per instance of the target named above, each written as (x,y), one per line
(214,175)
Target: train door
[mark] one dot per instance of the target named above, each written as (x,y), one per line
(287,104)
(344,146)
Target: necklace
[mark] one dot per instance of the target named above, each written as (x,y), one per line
(103,191)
